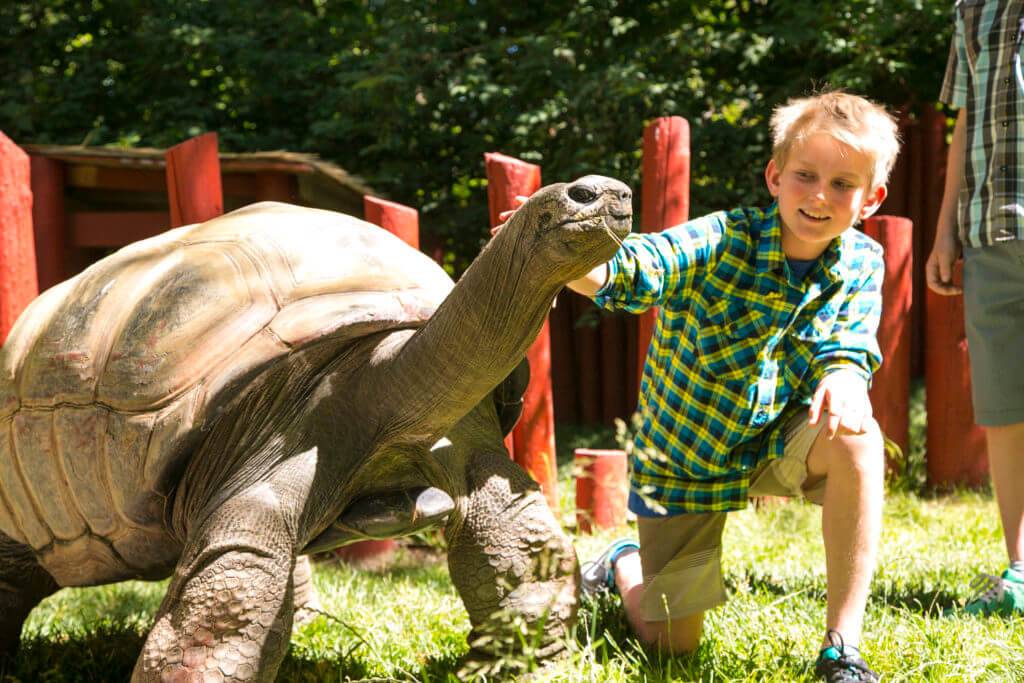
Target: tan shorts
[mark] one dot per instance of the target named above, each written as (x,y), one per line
(681,555)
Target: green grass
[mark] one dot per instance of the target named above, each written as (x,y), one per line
(406,622)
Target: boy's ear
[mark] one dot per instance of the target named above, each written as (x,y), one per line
(773,177)
(872,201)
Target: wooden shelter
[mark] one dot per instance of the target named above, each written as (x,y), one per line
(91,200)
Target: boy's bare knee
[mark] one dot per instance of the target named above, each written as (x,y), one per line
(864,452)
(676,636)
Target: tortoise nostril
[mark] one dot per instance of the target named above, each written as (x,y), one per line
(625,195)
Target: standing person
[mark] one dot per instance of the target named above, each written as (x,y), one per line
(984,195)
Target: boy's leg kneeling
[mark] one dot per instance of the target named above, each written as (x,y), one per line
(681,559)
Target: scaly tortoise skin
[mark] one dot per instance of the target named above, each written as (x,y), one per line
(215,401)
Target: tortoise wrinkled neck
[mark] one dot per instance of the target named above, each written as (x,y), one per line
(475,339)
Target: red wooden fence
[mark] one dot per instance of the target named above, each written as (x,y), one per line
(955,445)
(193,181)
(890,390)
(18,284)
(403,222)
(533,438)
(398,219)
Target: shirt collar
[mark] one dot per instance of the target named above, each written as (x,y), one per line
(770,256)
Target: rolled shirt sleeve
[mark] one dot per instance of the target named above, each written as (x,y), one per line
(954,83)
(651,268)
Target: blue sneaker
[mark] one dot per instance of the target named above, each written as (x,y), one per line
(599,574)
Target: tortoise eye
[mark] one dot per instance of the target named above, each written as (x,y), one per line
(582,194)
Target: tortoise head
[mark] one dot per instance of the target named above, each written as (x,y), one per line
(575,226)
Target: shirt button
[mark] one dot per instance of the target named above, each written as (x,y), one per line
(1006,81)
(1005,124)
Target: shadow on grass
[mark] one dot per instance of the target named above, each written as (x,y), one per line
(917,598)
(108,653)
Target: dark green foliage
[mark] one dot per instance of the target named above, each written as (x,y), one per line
(409,93)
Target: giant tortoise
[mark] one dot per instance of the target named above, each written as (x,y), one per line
(212,403)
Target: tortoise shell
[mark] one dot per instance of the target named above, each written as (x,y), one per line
(108,379)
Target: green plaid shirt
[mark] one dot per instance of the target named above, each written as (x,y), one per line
(737,348)
(983,74)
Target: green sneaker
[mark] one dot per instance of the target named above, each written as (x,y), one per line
(997,595)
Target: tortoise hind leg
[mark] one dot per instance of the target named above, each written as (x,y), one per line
(23,585)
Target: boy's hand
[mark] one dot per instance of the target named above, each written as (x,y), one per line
(505,215)
(844,394)
(939,268)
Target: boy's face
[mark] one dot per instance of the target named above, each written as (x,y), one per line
(822,191)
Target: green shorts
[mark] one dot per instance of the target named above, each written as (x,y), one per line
(681,555)
(994,320)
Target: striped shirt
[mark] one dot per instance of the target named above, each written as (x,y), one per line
(984,75)
(738,347)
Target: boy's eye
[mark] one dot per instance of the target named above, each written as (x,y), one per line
(805,175)
(842,185)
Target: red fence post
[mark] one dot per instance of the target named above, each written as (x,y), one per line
(398,219)
(18,283)
(193,181)
(890,389)
(956,452)
(665,196)
(533,438)
(49,221)
(602,489)
(403,221)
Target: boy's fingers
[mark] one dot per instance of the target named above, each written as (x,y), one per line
(505,215)
(834,420)
(814,412)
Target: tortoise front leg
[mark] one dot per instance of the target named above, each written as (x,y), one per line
(514,568)
(227,615)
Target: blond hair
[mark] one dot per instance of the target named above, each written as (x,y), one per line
(850,119)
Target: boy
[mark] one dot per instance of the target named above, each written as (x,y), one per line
(985,178)
(763,313)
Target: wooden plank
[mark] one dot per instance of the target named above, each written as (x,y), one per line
(114,228)
(18,282)
(398,219)
(126,179)
(533,438)
(272,186)
(194,190)
(665,197)
(49,221)
(890,388)
(955,446)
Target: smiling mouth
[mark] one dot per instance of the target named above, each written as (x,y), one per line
(811,217)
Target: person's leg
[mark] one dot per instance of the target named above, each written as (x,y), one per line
(674,636)
(668,580)
(1006,465)
(854,469)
